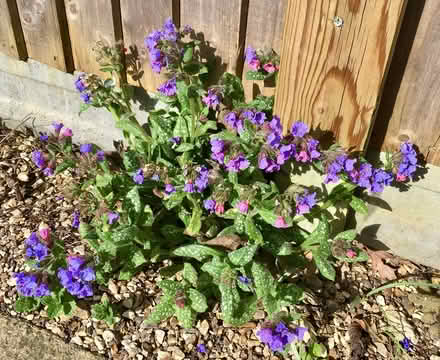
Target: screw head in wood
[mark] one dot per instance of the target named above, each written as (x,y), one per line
(338,21)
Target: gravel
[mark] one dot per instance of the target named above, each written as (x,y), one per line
(27,198)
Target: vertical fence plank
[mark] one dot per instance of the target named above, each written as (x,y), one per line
(42,32)
(139,18)
(332,71)
(264,31)
(220,24)
(89,22)
(411,106)
(11,35)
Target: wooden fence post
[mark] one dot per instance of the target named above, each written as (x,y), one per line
(334,58)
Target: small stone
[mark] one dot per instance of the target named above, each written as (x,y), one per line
(163,355)
(128,303)
(159,335)
(259,315)
(253,343)
(77,340)
(380,300)
(129,314)
(108,336)
(189,338)
(30,317)
(99,343)
(178,354)
(113,288)
(203,327)
(171,340)
(11,281)
(24,177)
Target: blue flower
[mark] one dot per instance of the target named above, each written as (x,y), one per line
(29,285)
(244,280)
(112,216)
(406,344)
(169,189)
(277,338)
(168,88)
(209,204)
(201,348)
(85,148)
(76,219)
(138,177)
(77,278)
(299,129)
(38,159)
(44,137)
(100,156)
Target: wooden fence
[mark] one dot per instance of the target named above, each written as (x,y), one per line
(335,54)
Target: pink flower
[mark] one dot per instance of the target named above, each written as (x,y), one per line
(400,177)
(254,64)
(66,132)
(351,253)
(269,67)
(302,156)
(44,231)
(219,208)
(243,206)
(280,222)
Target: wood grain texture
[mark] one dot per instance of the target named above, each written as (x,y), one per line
(264,31)
(331,77)
(220,24)
(410,109)
(41,29)
(89,22)
(11,35)
(139,18)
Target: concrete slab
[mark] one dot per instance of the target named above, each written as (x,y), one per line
(20,341)
(407,222)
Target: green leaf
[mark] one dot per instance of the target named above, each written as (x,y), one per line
(103,180)
(227,231)
(252,231)
(130,160)
(190,274)
(127,271)
(138,258)
(26,304)
(359,205)
(319,350)
(162,311)
(245,311)
(188,54)
(133,128)
(185,216)
(348,235)
(184,147)
(289,294)
(170,270)
(268,216)
(196,222)
(214,267)
(135,199)
(181,128)
(66,164)
(186,316)
(255,75)
(263,280)
(209,125)
(319,236)
(170,288)
(271,305)
(174,200)
(198,252)
(229,302)
(243,256)
(83,107)
(324,266)
(198,300)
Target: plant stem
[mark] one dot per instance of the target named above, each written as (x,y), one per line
(358,300)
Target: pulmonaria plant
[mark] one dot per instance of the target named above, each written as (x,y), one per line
(207,184)
(263,65)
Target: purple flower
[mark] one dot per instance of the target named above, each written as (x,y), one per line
(75,263)
(202,179)
(276,132)
(57,126)
(80,84)
(155,177)
(362,177)
(305,202)
(168,88)
(85,148)
(267,164)
(87,274)
(201,348)
(32,240)
(286,152)
(42,290)
(408,164)
(251,55)
(169,30)
(187,29)
(244,280)
(138,177)
(238,163)
(209,204)
(76,219)
(259,118)
(48,171)
(100,156)
(299,129)
(176,140)
(217,146)
(29,285)
(212,100)
(77,278)
(66,132)
(234,121)
(270,68)
(312,146)
(406,344)
(189,187)
(243,206)
(278,338)
(380,179)
(35,248)
(152,40)
(86,97)
(169,189)
(44,137)
(38,159)
(112,216)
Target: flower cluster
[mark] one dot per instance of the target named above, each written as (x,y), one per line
(197,182)
(77,278)
(113,217)
(83,88)
(277,338)
(158,57)
(76,219)
(168,88)
(266,63)
(235,119)
(212,99)
(407,344)
(35,248)
(29,284)
(305,202)
(408,162)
